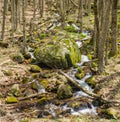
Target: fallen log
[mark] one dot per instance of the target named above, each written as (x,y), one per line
(93,95)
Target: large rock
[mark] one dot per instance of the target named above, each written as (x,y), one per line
(58,54)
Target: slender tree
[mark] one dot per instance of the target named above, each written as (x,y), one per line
(4,18)
(80,14)
(114,28)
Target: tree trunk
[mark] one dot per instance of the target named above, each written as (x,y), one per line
(114,28)
(80,14)
(4,18)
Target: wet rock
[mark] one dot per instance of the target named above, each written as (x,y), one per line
(15,90)
(42,101)
(89,56)
(64,91)
(18,58)
(1,95)
(53,84)
(71,28)
(58,54)
(44,82)
(108,113)
(91,81)
(11,100)
(75,104)
(35,68)
(26,80)
(38,87)
(7,72)
(27,55)
(79,75)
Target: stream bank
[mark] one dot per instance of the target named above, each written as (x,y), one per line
(46,83)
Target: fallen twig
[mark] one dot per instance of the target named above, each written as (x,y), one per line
(93,95)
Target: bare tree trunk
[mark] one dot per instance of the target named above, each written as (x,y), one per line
(34,7)
(12,19)
(113,51)
(103,34)
(102,16)
(41,7)
(62,12)
(80,14)
(96,28)
(4,18)
(24,23)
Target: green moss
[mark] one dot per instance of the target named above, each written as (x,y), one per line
(7,72)
(27,55)
(11,100)
(64,91)
(89,56)
(24,120)
(83,35)
(110,112)
(58,54)
(35,68)
(79,75)
(94,64)
(26,80)
(70,29)
(15,90)
(34,86)
(1,96)
(91,81)
(75,104)
(79,69)
(43,35)
(44,83)
(42,101)
(18,58)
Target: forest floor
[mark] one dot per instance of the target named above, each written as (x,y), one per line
(107,86)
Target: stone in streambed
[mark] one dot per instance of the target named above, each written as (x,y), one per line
(11,100)
(58,54)
(80,73)
(64,91)
(91,81)
(15,90)
(18,58)
(35,68)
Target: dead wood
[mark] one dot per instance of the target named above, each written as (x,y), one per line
(93,95)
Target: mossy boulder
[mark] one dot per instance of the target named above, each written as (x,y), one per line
(64,91)
(42,101)
(71,28)
(15,90)
(79,75)
(7,72)
(58,54)
(11,100)
(18,58)
(76,104)
(27,55)
(91,81)
(35,68)
(110,113)
(26,80)
(44,82)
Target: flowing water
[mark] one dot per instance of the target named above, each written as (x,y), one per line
(86,108)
